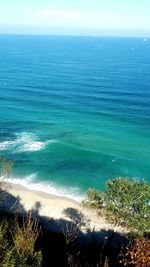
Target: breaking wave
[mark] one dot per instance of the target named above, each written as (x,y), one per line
(24,142)
(31,183)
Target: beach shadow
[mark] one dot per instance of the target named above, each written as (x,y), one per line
(75,216)
(88,248)
(12,204)
(36,209)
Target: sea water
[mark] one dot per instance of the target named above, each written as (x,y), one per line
(74,111)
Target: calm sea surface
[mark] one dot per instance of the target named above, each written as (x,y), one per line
(74,111)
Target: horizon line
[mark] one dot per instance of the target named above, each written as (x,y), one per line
(75,35)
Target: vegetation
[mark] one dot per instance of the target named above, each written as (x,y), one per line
(5,167)
(17,244)
(137,254)
(125,202)
(5,170)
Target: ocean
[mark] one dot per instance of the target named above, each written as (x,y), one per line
(74,111)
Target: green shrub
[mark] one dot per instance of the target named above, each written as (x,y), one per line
(4,240)
(5,167)
(125,202)
(24,238)
(94,199)
(5,170)
(17,244)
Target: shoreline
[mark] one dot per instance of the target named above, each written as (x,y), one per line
(41,193)
(47,188)
(54,211)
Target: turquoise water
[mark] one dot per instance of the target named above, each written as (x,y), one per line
(74,111)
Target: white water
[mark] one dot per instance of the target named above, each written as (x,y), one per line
(31,183)
(24,142)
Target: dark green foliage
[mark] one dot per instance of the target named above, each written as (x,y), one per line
(125,202)
(5,167)
(5,170)
(4,240)
(23,260)
(94,199)
(17,244)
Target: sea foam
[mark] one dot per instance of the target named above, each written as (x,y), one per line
(24,142)
(31,183)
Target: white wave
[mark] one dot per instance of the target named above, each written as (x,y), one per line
(34,146)
(24,142)
(31,183)
(6,145)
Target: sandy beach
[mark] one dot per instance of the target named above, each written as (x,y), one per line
(52,208)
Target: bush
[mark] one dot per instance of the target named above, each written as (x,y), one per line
(125,202)
(94,199)
(4,240)
(5,170)
(5,167)
(17,244)
(137,254)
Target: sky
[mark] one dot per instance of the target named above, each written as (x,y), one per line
(76,17)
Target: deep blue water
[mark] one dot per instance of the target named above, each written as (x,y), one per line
(75,111)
